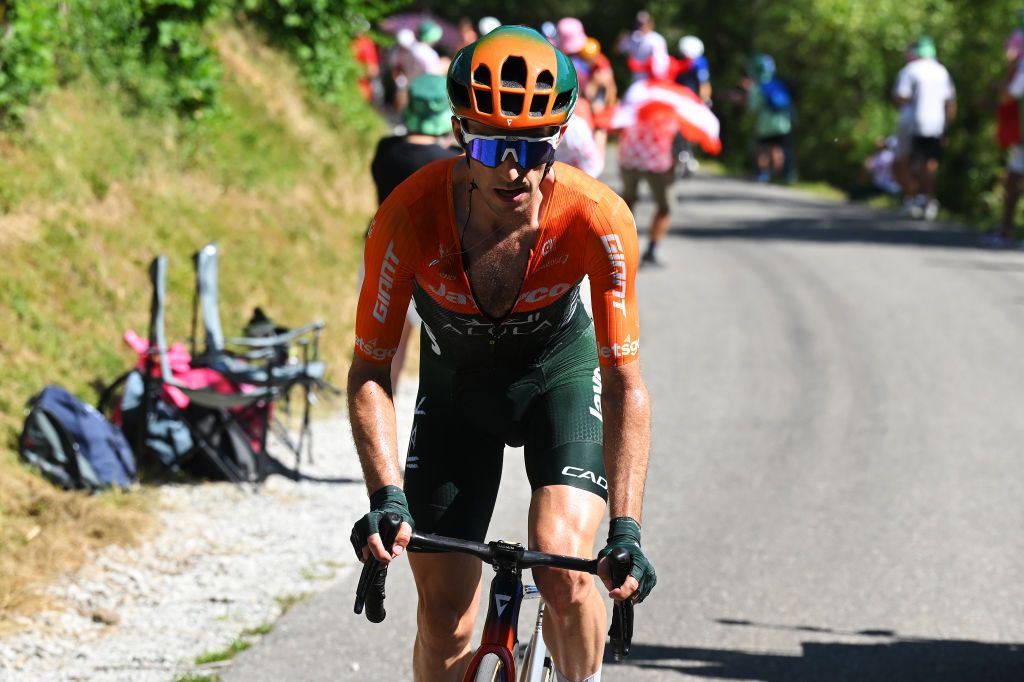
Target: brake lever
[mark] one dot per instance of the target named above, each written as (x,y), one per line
(370,589)
(621,631)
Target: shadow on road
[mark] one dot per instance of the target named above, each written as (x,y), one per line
(889,657)
(877,229)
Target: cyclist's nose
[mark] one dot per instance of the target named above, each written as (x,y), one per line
(509,170)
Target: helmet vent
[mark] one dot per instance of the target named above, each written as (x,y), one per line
(545,81)
(513,73)
(459,94)
(562,102)
(538,104)
(483,101)
(482,75)
(511,103)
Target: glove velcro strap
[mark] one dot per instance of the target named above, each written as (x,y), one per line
(387,495)
(624,529)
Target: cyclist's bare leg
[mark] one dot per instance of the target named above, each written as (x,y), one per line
(449,591)
(565,520)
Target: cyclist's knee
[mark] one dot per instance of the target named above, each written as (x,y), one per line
(442,625)
(563,591)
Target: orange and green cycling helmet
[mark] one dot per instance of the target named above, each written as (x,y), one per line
(512,78)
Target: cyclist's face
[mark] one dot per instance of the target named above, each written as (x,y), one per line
(507,188)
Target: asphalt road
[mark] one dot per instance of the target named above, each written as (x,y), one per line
(837,476)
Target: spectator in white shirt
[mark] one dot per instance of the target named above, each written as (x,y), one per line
(924,85)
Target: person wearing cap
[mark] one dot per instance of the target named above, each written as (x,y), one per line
(770,102)
(925,87)
(428,127)
(493,246)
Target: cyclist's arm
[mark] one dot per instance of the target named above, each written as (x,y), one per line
(389,258)
(626,409)
(612,256)
(372,413)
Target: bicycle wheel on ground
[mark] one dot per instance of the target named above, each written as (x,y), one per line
(491,669)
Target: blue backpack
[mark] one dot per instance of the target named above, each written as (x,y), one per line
(73,445)
(776,95)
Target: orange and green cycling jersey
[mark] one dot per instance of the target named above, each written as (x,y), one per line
(413,249)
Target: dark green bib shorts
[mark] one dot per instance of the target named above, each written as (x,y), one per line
(505,386)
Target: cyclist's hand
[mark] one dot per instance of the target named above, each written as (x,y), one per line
(625,532)
(365,535)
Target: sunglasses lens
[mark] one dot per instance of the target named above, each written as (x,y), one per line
(526,153)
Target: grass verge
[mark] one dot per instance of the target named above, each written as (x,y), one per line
(90,195)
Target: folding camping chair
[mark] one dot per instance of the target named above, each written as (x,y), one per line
(220,412)
(280,371)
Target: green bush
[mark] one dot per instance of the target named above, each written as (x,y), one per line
(29,37)
(318,35)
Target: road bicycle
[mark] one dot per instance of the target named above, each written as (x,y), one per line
(500,655)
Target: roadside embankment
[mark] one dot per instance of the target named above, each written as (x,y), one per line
(90,192)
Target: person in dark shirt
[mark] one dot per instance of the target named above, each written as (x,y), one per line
(428,122)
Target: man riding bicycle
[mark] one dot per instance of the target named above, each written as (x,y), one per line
(493,246)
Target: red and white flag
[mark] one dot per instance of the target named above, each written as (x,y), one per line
(648,99)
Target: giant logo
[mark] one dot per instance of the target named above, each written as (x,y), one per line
(617,258)
(385,283)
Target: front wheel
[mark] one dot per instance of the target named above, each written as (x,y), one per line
(491,669)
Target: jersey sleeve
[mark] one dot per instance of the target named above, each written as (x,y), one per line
(611,257)
(389,260)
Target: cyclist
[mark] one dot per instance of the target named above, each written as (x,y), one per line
(492,246)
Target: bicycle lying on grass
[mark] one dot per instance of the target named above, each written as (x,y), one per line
(499,654)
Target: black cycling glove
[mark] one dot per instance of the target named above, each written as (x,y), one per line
(388,500)
(625,532)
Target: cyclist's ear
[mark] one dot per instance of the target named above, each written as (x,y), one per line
(457,132)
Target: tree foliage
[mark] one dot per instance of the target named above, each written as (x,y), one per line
(158,52)
(839,56)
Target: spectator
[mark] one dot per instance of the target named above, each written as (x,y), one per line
(365,53)
(646,49)
(904,138)
(428,125)
(487,24)
(467,32)
(645,153)
(769,100)
(1010,140)
(414,56)
(880,167)
(925,85)
(694,72)
(579,146)
(691,72)
(601,91)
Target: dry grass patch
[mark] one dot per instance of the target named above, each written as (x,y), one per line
(45,531)
(88,196)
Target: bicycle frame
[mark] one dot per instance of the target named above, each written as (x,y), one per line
(500,628)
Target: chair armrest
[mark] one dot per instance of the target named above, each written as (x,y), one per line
(279,339)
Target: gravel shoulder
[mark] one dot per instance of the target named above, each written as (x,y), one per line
(225,561)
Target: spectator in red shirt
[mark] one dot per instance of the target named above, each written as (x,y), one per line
(365,52)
